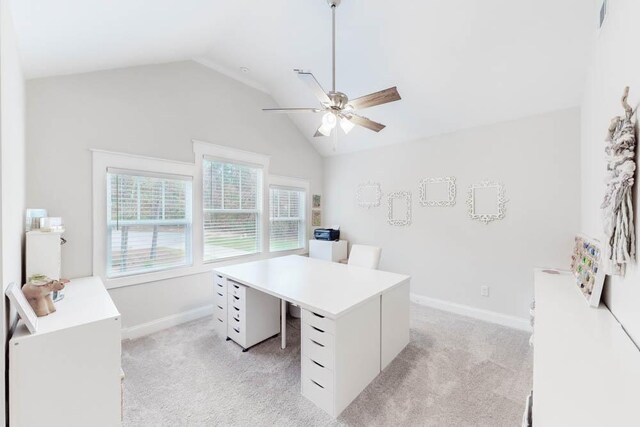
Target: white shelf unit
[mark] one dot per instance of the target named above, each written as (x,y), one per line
(68,373)
(586,369)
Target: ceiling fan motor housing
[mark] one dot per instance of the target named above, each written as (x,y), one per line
(334,3)
(338,100)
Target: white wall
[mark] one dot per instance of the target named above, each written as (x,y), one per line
(155,111)
(615,64)
(12,175)
(448,255)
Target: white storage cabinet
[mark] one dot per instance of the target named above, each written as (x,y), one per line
(68,373)
(328,250)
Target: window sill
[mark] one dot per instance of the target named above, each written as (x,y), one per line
(141,279)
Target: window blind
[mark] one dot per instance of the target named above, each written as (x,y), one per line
(232,206)
(286,218)
(148,222)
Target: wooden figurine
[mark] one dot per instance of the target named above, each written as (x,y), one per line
(38,293)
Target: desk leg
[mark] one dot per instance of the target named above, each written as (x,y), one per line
(283,321)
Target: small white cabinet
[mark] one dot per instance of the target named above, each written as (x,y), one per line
(68,373)
(328,250)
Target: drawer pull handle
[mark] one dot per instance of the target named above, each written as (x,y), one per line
(237,320)
(237,309)
(317,343)
(237,298)
(220,307)
(236,286)
(322,366)
(219,276)
(317,384)
(219,284)
(319,330)
(220,294)
(317,315)
(222,321)
(237,330)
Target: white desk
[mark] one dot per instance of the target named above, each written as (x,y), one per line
(355,320)
(586,369)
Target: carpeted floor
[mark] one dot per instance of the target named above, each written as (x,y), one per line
(455,371)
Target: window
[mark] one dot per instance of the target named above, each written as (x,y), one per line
(286,218)
(232,207)
(148,222)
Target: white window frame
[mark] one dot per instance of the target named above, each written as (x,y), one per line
(294,183)
(102,160)
(204,150)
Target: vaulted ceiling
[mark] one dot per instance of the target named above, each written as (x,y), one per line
(456,63)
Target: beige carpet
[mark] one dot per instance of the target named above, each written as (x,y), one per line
(456,371)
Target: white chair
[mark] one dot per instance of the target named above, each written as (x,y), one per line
(365,256)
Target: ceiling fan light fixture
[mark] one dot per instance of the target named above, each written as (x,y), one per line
(346,125)
(329,121)
(325,130)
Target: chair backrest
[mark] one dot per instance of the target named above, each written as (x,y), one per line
(365,256)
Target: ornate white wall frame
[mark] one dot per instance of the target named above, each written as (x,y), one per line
(501,200)
(369,194)
(449,181)
(402,195)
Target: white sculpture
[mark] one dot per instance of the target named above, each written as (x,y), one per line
(617,207)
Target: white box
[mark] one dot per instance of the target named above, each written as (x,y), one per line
(44,254)
(328,250)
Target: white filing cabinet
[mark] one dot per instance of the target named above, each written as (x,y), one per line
(68,373)
(252,316)
(43,253)
(339,357)
(220,304)
(328,250)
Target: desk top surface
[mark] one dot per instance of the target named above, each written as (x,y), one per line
(327,288)
(586,369)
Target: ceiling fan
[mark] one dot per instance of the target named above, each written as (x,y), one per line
(335,105)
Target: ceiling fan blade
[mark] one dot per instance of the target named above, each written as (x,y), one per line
(315,87)
(377,98)
(364,122)
(293,110)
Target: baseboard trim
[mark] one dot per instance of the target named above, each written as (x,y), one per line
(476,313)
(165,322)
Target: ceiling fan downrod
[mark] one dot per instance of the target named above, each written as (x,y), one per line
(333,4)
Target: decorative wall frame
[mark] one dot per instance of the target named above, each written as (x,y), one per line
(393,218)
(496,204)
(369,194)
(450,191)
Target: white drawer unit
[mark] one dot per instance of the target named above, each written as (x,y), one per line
(339,357)
(252,316)
(220,304)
